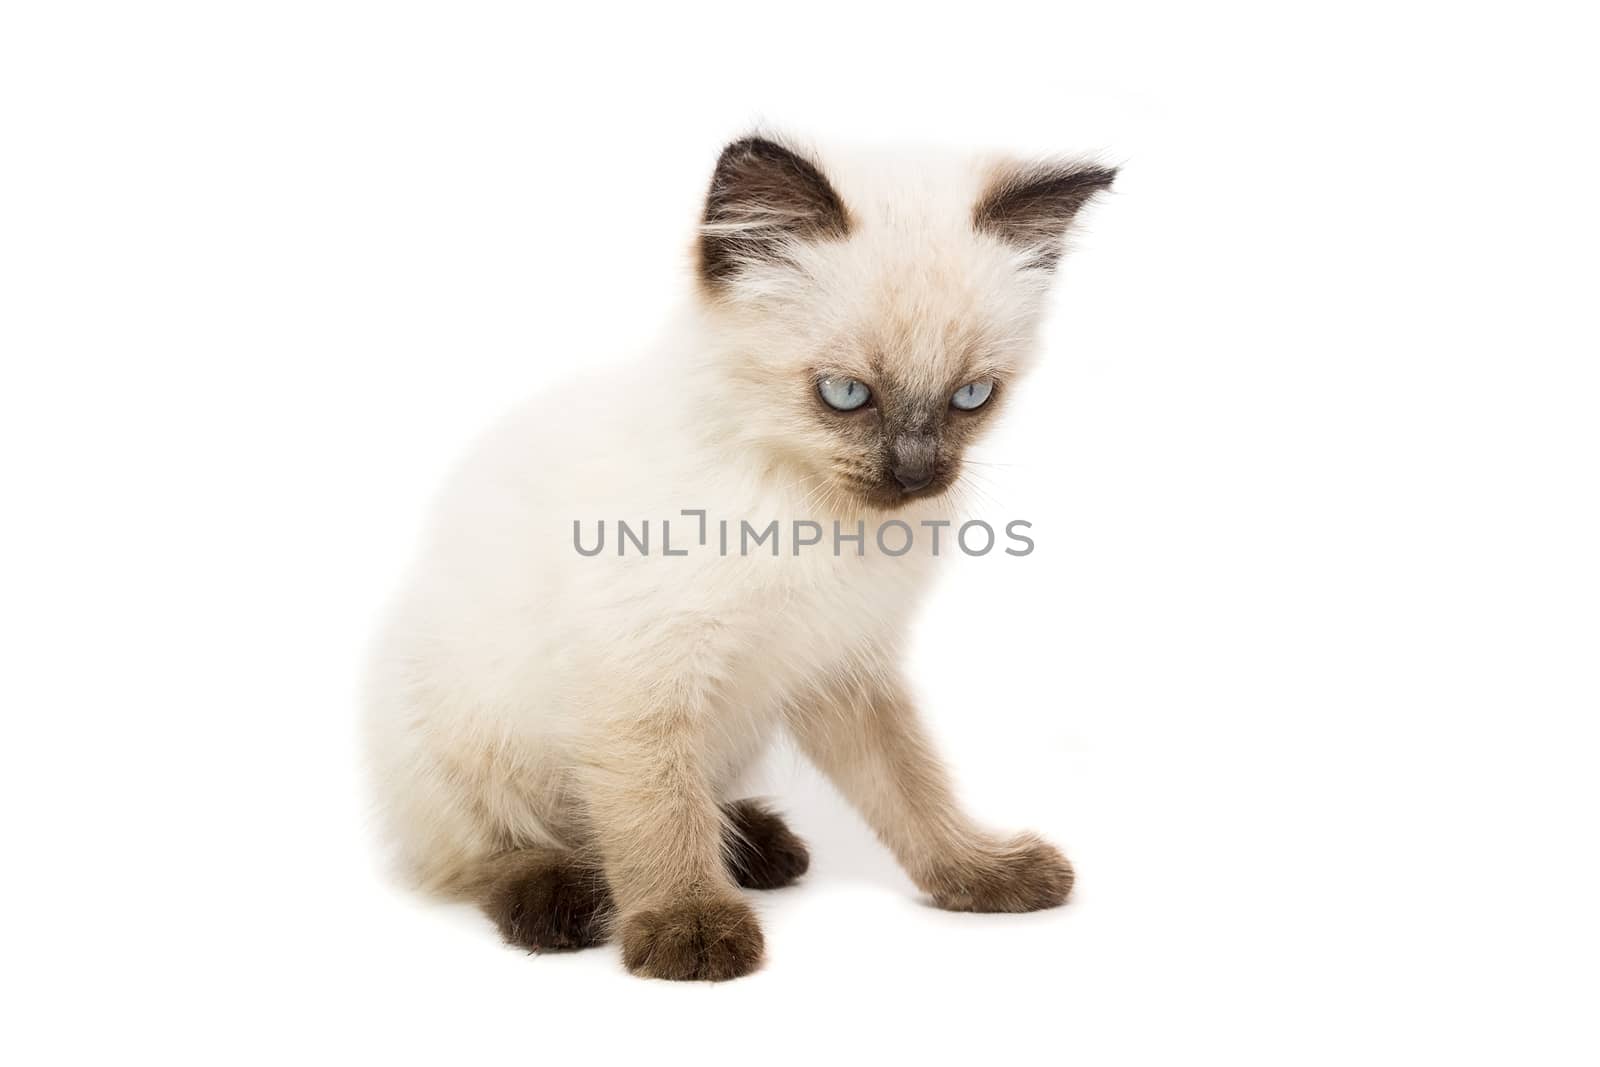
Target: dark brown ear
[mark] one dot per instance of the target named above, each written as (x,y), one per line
(764,197)
(1032,206)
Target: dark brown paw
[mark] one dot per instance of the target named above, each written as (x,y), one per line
(551,907)
(704,940)
(762,852)
(1023,874)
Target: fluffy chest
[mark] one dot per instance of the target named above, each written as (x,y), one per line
(786,627)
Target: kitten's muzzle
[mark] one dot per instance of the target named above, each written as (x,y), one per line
(912,461)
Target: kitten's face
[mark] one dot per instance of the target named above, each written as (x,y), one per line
(894,400)
(874,336)
(906,440)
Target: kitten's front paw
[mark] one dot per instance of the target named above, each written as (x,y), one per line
(698,939)
(1023,874)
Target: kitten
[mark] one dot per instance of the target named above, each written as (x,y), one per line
(553,734)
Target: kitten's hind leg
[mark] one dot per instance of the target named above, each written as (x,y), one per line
(760,850)
(545,899)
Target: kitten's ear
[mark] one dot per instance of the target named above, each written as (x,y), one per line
(1032,206)
(763,198)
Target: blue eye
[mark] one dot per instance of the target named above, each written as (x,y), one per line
(843,394)
(973,395)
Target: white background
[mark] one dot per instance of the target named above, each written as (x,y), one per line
(1303,674)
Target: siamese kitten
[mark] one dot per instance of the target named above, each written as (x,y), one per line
(554,733)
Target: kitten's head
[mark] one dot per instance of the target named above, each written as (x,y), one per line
(876,316)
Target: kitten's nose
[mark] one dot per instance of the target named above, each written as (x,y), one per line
(913,476)
(911,459)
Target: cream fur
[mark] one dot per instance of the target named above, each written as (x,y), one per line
(522,695)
